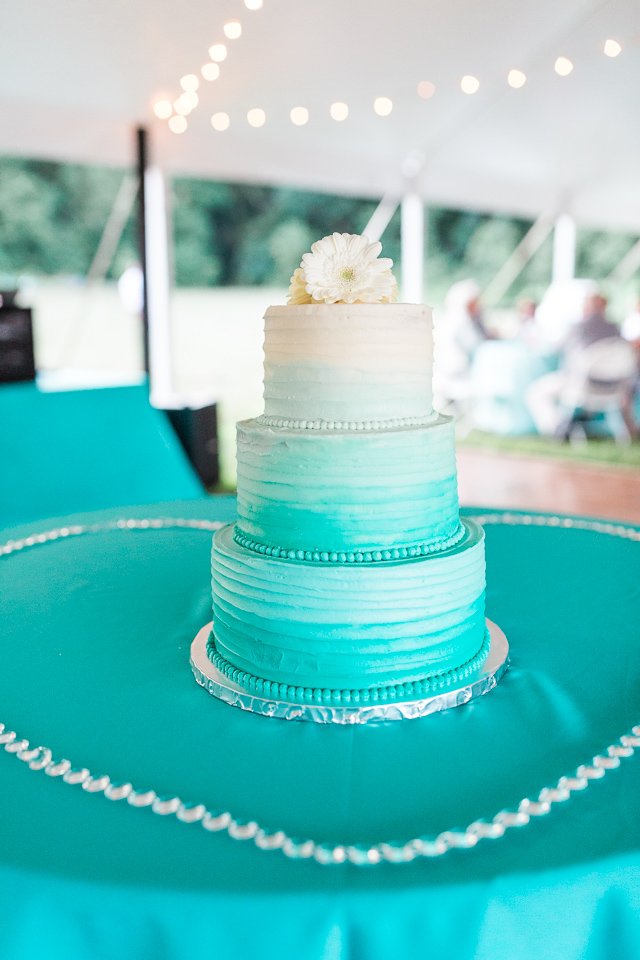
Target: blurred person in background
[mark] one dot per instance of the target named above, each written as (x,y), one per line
(459,332)
(526,322)
(631,332)
(631,326)
(543,396)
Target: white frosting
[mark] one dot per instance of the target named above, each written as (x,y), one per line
(353,362)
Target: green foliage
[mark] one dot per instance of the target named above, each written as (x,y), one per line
(52,216)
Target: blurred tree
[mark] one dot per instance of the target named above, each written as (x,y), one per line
(52,216)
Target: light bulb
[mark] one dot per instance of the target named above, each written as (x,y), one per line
(253,4)
(162,109)
(299,116)
(339,111)
(232,29)
(220,121)
(210,71)
(612,48)
(563,66)
(190,97)
(183,107)
(516,79)
(190,82)
(469,84)
(383,106)
(218,52)
(178,124)
(426,89)
(256,117)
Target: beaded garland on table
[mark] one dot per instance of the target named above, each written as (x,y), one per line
(398,691)
(343,556)
(41,758)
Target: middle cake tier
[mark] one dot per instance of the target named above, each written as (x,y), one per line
(353,496)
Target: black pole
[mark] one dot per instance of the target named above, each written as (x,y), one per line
(141,144)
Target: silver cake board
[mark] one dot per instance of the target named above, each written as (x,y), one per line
(485,679)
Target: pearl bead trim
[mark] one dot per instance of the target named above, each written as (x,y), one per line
(381,555)
(391,424)
(398,691)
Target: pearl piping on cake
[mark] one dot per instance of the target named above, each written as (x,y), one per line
(381,555)
(364,695)
(371,424)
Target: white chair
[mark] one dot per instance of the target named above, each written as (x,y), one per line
(599,382)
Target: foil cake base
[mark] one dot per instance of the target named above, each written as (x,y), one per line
(485,679)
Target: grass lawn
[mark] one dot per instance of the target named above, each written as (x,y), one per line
(604,451)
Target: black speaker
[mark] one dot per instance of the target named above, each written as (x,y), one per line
(17,362)
(197,430)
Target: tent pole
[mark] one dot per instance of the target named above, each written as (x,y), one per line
(381,217)
(141,153)
(517,261)
(412,247)
(564,248)
(158,287)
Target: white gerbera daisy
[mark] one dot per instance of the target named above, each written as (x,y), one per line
(298,289)
(344,268)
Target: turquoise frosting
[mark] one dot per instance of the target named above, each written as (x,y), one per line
(348,626)
(349,491)
(419,688)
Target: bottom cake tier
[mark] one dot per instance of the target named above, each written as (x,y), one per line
(349,631)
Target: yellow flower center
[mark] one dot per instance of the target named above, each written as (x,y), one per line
(347,274)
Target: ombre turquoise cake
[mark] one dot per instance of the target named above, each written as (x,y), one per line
(349,574)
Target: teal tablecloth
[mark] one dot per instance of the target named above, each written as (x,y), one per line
(86,450)
(94,665)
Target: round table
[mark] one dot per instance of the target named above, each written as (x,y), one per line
(98,618)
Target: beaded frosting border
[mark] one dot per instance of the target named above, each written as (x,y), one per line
(349,556)
(389,424)
(390,692)
(41,758)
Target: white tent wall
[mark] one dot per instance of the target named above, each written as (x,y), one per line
(78,77)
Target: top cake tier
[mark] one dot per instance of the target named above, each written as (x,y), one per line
(340,363)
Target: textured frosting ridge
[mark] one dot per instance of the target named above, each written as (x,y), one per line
(419,688)
(347,491)
(353,626)
(348,362)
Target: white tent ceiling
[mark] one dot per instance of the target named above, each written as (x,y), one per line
(78,75)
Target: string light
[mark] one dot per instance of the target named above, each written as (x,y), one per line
(256,117)
(190,97)
(190,82)
(426,89)
(469,84)
(232,29)
(210,71)
(563,66)
(178,124)
(253,4)
(220,121)
(383,106)
(612,48)
(218,52)
(299,116)
(339,111)
(516,79)
(182,107)
(162,109)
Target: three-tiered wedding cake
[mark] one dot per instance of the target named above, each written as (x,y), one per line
(349,576)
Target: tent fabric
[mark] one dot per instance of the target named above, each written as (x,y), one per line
(85,450)
(77,77)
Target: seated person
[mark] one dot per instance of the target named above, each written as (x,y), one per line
(458,333)
(543,395)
